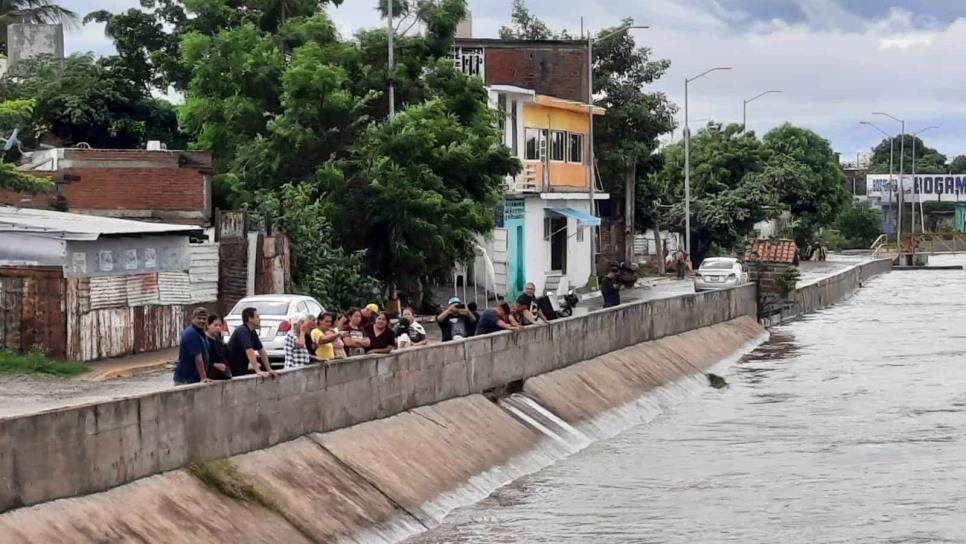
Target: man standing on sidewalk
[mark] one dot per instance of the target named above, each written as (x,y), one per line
(193,351)
(244,345)
(609,289)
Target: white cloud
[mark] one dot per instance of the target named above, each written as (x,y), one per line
(834,69)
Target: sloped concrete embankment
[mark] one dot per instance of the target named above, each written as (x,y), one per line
(379,481)
(95,447)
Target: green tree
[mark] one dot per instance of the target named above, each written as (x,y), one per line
(729,190)
(928,160)
(957,166)
(13,115)
(301,107)
(525,26)
(332,275)
(31,11)
(860,225)
(805,170)
(80,99)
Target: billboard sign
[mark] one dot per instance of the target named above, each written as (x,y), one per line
(927,187)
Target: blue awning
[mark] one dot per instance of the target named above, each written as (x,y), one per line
(581,217)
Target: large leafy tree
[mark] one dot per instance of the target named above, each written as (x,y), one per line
(805,170)
(730,192)
(928,160)
(31,11)
(298,106)
(859,225)
(81,99)
(956,166)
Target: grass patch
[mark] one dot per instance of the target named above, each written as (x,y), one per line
(36,362)
(223,476)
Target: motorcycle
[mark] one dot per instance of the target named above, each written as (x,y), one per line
(570,301)
(555,308)
(627,274)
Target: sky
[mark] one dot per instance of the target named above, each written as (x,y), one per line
(835,61)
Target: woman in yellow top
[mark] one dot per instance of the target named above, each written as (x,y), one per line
(324,337)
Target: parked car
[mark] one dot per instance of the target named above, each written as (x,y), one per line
(276,312)
(720,273)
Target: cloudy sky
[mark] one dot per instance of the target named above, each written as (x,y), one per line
(836,61)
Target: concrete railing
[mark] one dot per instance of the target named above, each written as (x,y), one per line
(822,293)
(93,447)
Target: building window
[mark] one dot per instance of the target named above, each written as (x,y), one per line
(576,148)
(501,106)
(580,233)
(515,146)
(468,60)
(558,145)
(536,144)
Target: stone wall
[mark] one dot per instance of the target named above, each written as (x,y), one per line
(89,448)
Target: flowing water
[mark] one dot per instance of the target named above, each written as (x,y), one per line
(847,426)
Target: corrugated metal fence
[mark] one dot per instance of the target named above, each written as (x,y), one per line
(32,309)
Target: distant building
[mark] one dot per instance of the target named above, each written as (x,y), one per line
(546,221)
(153,185)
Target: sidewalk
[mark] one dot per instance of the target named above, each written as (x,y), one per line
(122,367)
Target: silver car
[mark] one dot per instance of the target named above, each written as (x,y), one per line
(720,273)
(276,312)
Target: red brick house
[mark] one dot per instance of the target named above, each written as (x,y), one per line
(550,67)
(152,185)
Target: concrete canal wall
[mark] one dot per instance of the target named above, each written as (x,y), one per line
(825,292)
(95,447)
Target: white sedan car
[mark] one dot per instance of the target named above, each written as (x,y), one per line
(720,273)
(276,312)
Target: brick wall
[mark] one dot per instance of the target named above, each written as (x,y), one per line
(169,186)
(553,71)
(136,189)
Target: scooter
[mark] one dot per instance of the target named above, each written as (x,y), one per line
(555,308)
(570,301)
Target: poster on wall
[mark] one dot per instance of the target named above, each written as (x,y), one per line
(130,259)
(78,263)
(150,258)
(105,260)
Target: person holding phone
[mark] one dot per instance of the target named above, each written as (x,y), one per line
(456,321)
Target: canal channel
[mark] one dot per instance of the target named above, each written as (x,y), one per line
(848,425)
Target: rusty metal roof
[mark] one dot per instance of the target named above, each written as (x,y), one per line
(769,251)
(75,226)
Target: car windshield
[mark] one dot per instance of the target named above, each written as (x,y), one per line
(717,265)
(264,307)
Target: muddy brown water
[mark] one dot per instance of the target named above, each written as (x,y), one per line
(847,426)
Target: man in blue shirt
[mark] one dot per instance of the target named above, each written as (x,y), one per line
(193,353)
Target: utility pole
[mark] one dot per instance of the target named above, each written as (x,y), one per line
(891,148)
(744,108)
(390,32)
(922,215)
(590,133)
(899,196)
(687,158)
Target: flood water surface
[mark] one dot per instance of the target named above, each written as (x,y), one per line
(847,426)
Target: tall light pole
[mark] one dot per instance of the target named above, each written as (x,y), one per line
(891,148)
(744,108)
(899,195)
(922,215)
(687,157)
(390,32)
(590,130)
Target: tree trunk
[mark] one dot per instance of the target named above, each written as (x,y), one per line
(660,249)
(630,193)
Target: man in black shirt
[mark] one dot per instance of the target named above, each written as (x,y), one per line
(244,344)
(609,289)
(456,321)
(496,320)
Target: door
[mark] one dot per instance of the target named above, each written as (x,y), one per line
(558,244)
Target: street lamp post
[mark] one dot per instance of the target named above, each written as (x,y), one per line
(687,157)
(899,195)
(744,107)
(922,215)
(590,131)
(891,148)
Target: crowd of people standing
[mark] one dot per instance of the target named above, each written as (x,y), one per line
(205,356)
